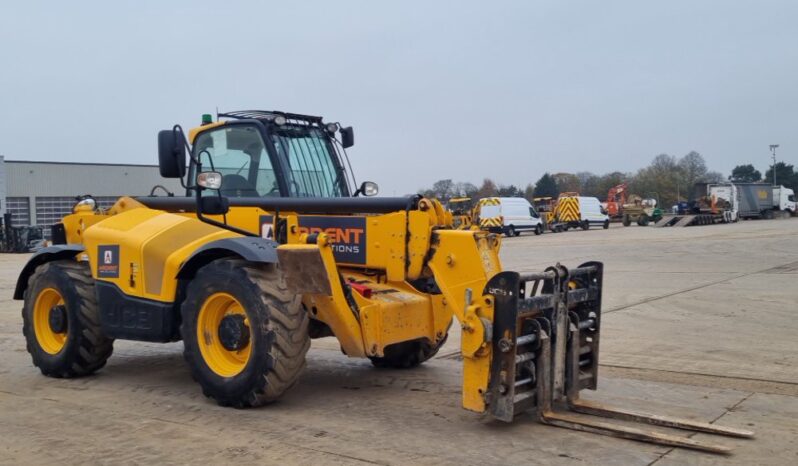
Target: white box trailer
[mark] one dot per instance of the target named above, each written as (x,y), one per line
(756,199)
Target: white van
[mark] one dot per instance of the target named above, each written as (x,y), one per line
(591,213)
(508,215)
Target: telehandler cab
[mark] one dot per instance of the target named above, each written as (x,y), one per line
(275,244)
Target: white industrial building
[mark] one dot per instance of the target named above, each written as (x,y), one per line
(40,193)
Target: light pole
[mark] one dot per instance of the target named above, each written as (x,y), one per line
(773,148)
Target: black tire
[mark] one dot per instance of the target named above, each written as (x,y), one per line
(585,225)
(627,220)
(510,231)
(278,332)
(85,349)
(606,224)
(408,354)
(642,220)
(538,230)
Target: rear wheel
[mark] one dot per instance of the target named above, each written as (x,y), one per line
(585,225)
(245,335)
(510,231)
(627,220)
(606,224)
(539,229)
(61,321)
(642,220)
(408,354)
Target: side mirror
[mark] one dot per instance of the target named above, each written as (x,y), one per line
(368,188)
(171,154)
(214,205)
(347,137)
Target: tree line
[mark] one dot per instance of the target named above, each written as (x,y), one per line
(667,178)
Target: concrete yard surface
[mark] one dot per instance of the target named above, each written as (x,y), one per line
(699,322)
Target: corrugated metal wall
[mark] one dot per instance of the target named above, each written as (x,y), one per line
(34,179)
(2,187)
(40,193)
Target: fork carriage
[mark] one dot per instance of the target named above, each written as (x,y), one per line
(546,333)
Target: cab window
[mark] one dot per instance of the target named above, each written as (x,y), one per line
(239,154)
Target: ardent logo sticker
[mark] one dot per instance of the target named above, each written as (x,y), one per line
(348,234)
(108,266)
(266,226)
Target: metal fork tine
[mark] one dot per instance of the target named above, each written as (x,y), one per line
(603,428)
(595,409)
(565,361)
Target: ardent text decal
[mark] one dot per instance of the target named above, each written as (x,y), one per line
(348,234)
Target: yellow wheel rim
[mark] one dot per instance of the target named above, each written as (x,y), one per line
(51,342)
(222,361)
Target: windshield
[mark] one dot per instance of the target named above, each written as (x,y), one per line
(311,161)
(239,153)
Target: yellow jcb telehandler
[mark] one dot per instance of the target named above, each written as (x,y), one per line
(275,244)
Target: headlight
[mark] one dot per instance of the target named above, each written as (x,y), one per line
(369,188)
(88,202)
(279,120)
(210,180)
(332,127)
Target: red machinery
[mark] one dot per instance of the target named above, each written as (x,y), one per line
(616,198)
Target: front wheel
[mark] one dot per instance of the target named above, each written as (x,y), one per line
(585,225)
(606,224)
(539,230)
(61,321)
(245,335)
(510,231)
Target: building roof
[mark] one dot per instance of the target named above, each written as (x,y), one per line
(48,162)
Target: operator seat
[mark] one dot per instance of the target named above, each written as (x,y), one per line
(237,186)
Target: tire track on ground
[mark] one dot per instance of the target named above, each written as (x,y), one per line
(776,269)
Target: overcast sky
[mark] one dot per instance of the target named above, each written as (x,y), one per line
(462,90)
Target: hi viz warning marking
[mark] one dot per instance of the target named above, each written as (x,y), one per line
(347,234)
